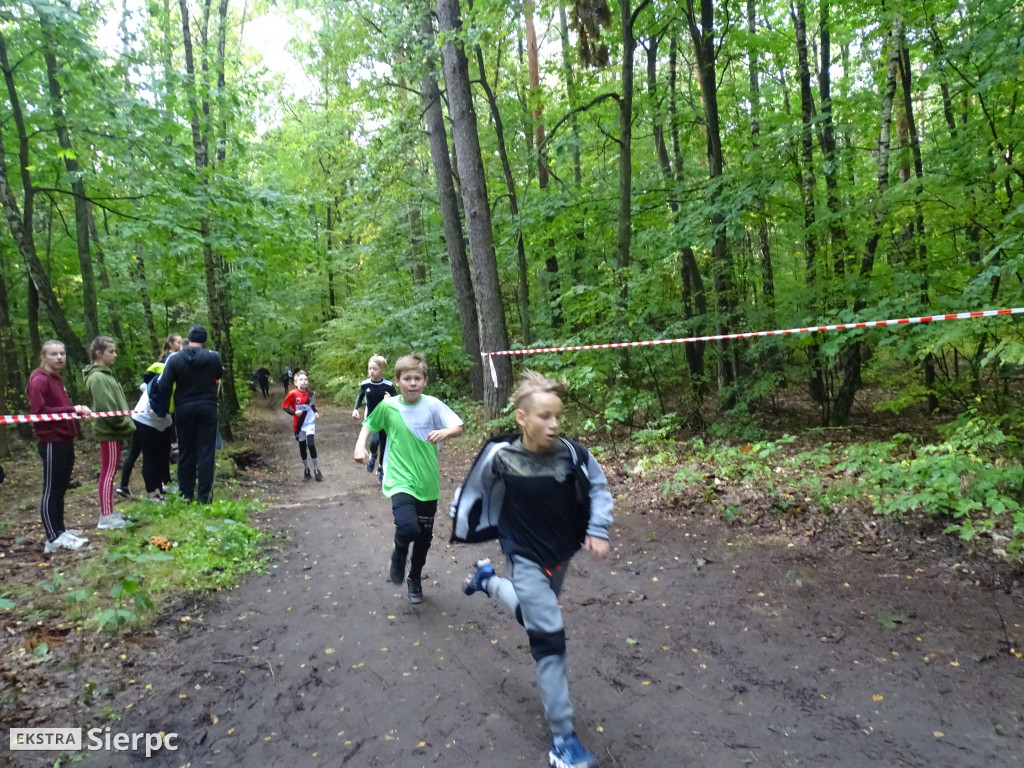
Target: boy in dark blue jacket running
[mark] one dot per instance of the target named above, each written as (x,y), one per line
(544,498)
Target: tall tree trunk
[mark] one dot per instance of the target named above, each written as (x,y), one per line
(763,245)
(214,267)
(89,307)
(7,358)
(224,311)
(827,140)
(533,66)
(14,370)
(971,228)
(568,75)
(552,283)
(451,223)
(19,219)
(104,277)
(32,316)
(523,293)
(807,111)
(493,332)
(702,33)
(147,303)
(851,366)
(693,300)
(625,218)
(920,249)
(332,301)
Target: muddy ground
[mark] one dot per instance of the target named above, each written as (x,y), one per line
(695,644)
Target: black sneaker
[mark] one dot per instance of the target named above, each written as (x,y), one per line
(415,591)
(398,565)
(124,493)
(305,474)
(317,475)
(371,463)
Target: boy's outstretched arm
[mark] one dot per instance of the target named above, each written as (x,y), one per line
(360,455)
(437,435)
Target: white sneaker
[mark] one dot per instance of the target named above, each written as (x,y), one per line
(64,541)
(111,521)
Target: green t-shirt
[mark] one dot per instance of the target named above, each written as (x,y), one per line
(410,462)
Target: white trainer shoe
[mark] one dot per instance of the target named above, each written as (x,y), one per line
(65,541)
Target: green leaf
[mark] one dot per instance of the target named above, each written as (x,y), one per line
(890,620)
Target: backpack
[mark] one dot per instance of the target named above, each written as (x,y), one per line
(472,523)
(159,403)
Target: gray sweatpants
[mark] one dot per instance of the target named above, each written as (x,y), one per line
(535,593)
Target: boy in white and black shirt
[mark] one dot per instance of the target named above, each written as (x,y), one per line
(372,391)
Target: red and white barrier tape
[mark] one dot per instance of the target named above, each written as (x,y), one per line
(30,417)
(755,334)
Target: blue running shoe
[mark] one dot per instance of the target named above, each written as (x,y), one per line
(567,752)
(476,580)
(370,463)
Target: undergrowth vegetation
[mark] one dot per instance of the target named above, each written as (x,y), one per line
(173,550)
(970,480)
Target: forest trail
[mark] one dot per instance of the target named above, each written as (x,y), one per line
(690,646)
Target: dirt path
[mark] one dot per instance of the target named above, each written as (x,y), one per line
(772,652)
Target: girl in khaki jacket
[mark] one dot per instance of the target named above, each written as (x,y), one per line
(107,395)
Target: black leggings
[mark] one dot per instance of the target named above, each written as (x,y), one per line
(156,467)
(378,442)
(58,461)
(130,459)
(302,447)
(414,524)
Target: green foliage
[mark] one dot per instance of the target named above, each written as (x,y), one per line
(212,547)
(971,480)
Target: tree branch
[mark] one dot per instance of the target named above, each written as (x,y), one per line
(576,111)
(636,12)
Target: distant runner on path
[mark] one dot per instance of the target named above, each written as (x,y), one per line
(300,403)
(374,390)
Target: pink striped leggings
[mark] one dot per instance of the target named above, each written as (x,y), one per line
(110,457)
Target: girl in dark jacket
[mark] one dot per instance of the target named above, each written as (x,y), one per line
(47,396)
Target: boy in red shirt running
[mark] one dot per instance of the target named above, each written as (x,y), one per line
(301,404)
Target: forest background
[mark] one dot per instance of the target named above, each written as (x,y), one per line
(455,180)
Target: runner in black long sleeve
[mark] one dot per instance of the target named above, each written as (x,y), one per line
(373,390)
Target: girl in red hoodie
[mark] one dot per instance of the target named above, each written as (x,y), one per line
(46,395)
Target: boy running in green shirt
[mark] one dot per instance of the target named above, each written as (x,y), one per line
(415,423)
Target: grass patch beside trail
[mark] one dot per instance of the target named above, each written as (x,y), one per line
(174,549)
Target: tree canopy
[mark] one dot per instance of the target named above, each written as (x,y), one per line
(458,178)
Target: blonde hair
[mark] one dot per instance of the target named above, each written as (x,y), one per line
(411,362)
(380,360)
(533,383)
(50,343)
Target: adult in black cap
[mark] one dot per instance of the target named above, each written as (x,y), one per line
(195,374)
